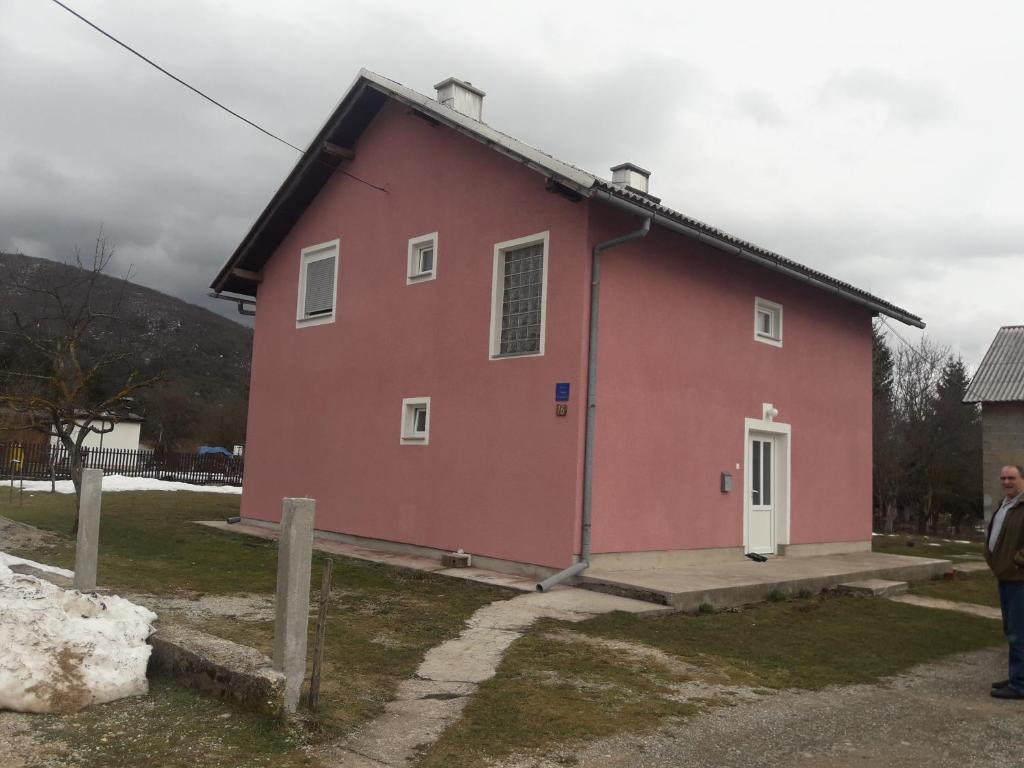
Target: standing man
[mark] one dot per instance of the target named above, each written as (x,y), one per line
(1004,553)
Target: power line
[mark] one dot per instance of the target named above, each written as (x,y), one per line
(175,77)
(195,90)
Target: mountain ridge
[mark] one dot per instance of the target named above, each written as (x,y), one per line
(203,358)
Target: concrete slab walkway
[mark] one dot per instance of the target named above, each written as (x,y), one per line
(450,673)
(985,611)
(743,581)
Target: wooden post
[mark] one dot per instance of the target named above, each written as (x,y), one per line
(321,635)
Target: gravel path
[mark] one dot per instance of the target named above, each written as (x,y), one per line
(939,715)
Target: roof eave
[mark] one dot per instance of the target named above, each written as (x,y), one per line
(248,254)
(676,222)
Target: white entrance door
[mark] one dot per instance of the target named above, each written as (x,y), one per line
(761,525)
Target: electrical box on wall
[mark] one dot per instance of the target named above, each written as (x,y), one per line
(726,482)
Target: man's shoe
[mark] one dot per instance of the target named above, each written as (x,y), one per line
(1000,684)
(1006,692)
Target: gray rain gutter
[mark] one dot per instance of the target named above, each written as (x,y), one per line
(763,261)
(588,450)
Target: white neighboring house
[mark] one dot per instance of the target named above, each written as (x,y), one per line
(123,434)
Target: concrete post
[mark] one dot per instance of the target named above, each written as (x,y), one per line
(291,625)
(87,546)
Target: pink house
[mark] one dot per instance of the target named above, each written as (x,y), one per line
(464,343)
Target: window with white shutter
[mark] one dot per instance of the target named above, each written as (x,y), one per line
(520,296)
(318,284)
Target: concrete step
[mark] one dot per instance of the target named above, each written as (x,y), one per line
(873,587)
(740,582)
(962,569)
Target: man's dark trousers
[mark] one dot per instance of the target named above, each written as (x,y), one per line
(1011,600)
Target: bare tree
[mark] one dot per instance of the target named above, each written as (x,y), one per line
(54,379)
(918,370)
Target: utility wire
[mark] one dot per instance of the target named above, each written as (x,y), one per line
(175,77)
(208,98)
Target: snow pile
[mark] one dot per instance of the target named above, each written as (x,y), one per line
(122,483)
(61,650)
(10,560)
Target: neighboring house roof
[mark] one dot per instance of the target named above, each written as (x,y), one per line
(1000,377)
(369,92)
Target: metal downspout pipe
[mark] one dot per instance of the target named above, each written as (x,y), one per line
(588,450)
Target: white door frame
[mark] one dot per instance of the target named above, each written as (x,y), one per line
(781,434)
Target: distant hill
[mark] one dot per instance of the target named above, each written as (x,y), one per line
(204,358)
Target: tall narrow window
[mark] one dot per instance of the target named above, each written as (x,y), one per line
(520,292)
(318,284)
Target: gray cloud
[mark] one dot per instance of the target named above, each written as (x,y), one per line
(760,107)
(914,102)
(89,135)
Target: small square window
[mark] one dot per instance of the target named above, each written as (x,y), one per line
(318,284)
(422,264)
(768,322)
(415,421)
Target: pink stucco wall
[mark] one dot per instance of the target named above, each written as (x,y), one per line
(679,373)
(501,475)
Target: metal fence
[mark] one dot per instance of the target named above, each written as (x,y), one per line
(40,461)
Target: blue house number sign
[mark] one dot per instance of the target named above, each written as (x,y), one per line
(562,392)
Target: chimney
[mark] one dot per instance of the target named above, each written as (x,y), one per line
(631,176)
(461,96)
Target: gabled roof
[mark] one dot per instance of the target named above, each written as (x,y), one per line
(366,96)
(1000,377)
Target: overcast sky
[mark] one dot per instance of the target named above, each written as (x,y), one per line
(879,142)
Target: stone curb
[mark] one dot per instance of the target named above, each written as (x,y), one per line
(218,667)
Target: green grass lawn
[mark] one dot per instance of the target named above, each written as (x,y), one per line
(169,728)
(557,684)
(924,546)
(979,588)
(382,621)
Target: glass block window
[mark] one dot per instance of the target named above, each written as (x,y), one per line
(522,300)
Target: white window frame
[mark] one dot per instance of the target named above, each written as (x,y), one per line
(774,310)
(409,434)
(321,251)
(416,245)
(498,288)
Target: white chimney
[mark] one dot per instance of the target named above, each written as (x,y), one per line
(632,176)
(461,96)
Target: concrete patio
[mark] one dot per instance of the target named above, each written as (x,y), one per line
(723,585)
(742,581)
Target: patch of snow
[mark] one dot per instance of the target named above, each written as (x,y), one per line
(960,541)
(9,560)
(122,483)
(932,544)
(61,650)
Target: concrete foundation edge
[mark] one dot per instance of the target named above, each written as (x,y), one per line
(511,567)
(734,596)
